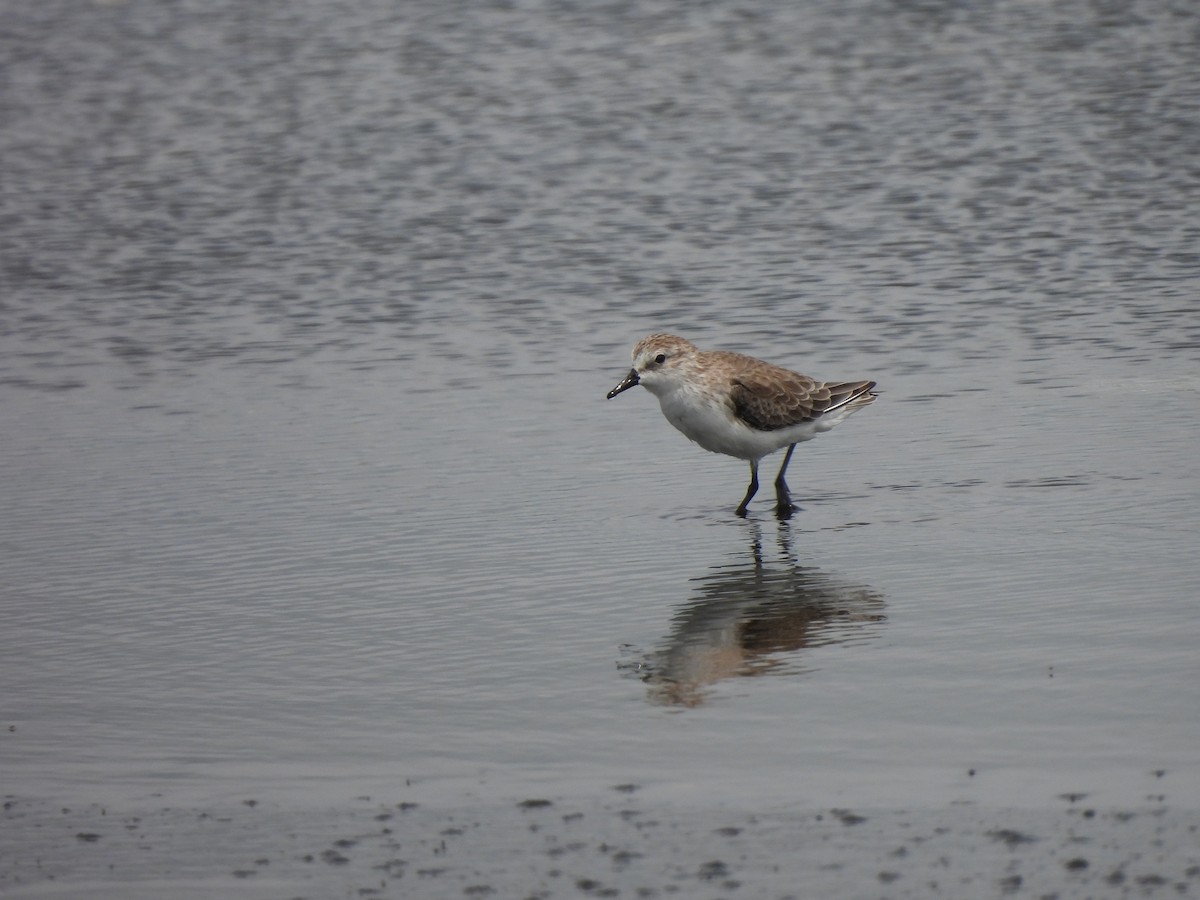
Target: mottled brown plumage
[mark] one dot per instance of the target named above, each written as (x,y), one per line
(769,397)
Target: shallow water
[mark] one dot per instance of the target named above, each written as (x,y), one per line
(310,485)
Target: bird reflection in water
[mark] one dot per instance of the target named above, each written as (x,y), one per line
(755,619)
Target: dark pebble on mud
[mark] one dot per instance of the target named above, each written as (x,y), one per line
(1010,837)
(1011,884)
(713,869)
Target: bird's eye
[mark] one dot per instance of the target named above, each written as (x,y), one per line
(661,358)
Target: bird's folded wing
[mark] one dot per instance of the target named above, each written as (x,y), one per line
(780,399)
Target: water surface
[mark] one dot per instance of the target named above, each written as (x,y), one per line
(311,489)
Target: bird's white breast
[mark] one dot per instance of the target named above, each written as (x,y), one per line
(707,418)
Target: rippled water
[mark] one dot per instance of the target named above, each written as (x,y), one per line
(309,482)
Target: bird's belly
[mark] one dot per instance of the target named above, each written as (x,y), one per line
(713,427)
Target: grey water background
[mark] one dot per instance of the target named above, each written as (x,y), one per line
(310,489)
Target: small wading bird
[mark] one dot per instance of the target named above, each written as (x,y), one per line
(738,405)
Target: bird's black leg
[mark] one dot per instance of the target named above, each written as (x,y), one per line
(750,491)
(783,499)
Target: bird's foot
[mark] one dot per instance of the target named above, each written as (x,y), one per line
(784,507)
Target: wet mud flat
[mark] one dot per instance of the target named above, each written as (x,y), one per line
(595,847)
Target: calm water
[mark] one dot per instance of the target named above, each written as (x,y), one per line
(309,483)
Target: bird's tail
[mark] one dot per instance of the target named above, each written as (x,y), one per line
(847,396)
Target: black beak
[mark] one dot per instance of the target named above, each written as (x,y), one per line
(631,380)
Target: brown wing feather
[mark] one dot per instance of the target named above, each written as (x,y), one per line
(769,397)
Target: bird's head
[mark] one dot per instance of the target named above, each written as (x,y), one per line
(659,361)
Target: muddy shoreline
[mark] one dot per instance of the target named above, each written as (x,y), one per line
(594,847)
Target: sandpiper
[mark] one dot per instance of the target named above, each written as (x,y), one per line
(740,406)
